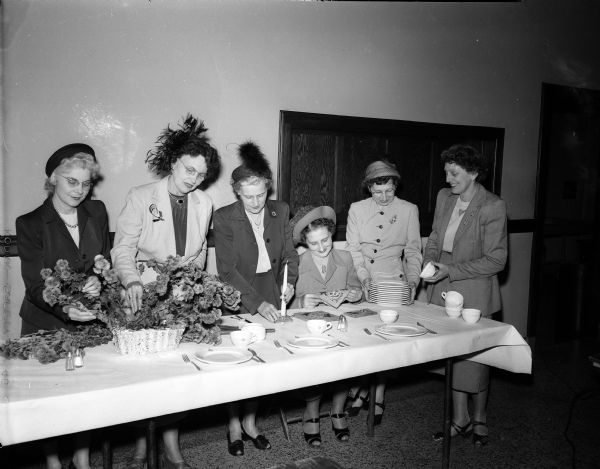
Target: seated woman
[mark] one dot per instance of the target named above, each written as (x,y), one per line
(70,226)
(166,218)
(322,269)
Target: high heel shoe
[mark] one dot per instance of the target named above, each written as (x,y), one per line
(463,431)
(166,463)
(353,410)
(235,448)
(313,439)
(379,417)
(260,442)
(480,440)
(341,434)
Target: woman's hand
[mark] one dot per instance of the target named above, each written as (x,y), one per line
(92,286)
(268,311)
(413,291)
(310,300)
(366,284)
(289,293)
(134,296)
(78,313)
(441,272)
(354,295)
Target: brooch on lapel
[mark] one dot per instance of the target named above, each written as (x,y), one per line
(273,213)
(156,213)
(393,220)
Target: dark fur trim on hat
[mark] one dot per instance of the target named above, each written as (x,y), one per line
(254,160)
(189,139)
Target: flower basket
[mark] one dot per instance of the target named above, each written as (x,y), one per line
(145,341)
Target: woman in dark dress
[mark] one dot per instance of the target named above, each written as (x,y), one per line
(253,243)
(69,226)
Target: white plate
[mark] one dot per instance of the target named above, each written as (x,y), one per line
(401,330)
(224,356)
(313,342)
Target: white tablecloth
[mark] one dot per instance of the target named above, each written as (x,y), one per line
(38,401)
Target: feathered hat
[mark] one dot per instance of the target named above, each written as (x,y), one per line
(254,163)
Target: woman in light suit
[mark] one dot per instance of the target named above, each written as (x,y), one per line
(322,269)
(383,235)
(468,246)
(166,218)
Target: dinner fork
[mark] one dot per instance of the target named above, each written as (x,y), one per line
(278,345)
(186,359)
(368,332)
(255,355)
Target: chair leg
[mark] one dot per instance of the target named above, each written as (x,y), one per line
(106,450)
(284,424)
(151,445)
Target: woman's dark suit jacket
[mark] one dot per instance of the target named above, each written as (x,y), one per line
(42,239)
(237,252)
(479,251)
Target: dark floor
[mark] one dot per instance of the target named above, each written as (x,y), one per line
(547,420)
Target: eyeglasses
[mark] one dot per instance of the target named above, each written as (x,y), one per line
(192,172)
(72,182)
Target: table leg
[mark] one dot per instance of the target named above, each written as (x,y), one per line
(371,411)
(151,452)
(106,450)
(447,414)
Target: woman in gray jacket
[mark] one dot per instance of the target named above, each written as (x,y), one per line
(468,247)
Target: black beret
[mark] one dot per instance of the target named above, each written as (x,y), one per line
(66,152)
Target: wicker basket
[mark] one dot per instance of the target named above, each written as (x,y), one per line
(145,341)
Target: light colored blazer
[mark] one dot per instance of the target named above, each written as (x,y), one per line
(377,237)
(479,251)
(341,275)
(145,229)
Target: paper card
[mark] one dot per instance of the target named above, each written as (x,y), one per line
(334,298)
(315,315)
(361,313)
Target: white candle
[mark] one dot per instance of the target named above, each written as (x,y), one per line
(283,289)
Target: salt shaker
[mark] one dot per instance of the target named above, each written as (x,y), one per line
(69,364)
(78,359)
(342,323)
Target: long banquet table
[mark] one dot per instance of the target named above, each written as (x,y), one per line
(40,401)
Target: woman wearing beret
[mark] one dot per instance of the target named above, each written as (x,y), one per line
(69,226)
(322,269)
(468,245)
(253,243)
(166,218)
(383,236)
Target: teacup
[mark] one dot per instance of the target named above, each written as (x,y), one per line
(453,299)
(471,315)
(256,330)
(428,270)
(454,312)
(318,326)
(241,338)
(388,315)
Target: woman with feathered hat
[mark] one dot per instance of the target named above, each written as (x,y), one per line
(253,243)
(167,218)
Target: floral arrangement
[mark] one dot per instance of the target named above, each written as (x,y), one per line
(183,296)
(63,286)
(50,346)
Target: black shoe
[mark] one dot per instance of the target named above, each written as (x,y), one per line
(463,431)
(379,417)
(235,448)
(480,440)
(353,410)
(260,442)
(341,434)
(313,439)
